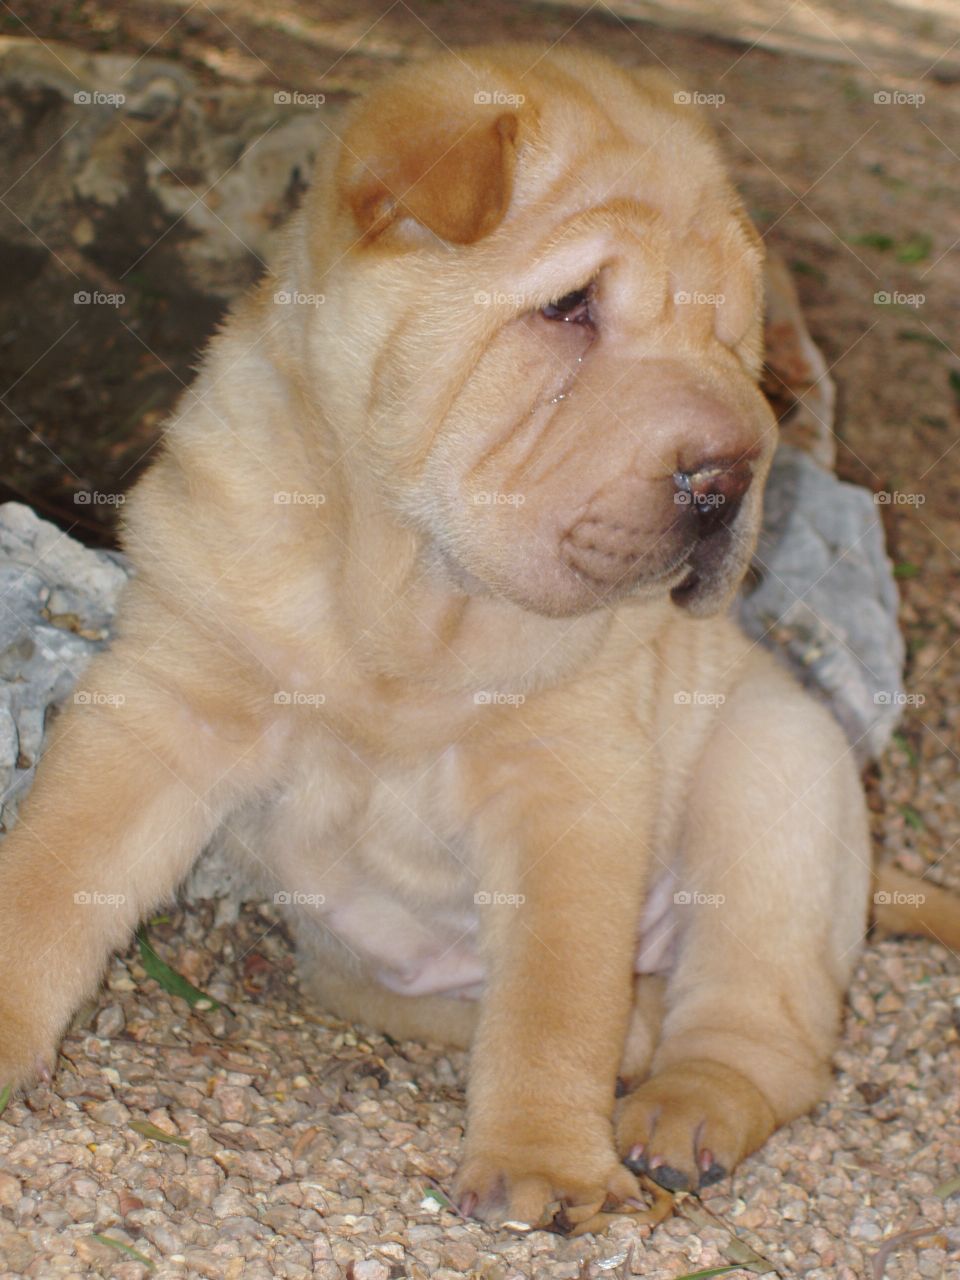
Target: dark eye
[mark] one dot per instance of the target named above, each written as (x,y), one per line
(574,307)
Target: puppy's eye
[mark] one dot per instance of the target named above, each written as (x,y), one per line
(574,307)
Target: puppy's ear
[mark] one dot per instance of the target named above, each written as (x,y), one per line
(449,169)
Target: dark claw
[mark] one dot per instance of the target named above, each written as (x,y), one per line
(667,1176)
(560,1223)
(715,1173)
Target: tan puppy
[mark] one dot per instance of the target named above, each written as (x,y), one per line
(429,626)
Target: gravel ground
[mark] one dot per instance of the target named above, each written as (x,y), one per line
(309,1150)
(303,1148)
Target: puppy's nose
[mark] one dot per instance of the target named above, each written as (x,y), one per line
(714,490)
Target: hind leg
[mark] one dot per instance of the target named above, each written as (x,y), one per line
(771,908)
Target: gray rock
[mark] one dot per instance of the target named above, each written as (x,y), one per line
(59,599)
(826,598)
(209,176)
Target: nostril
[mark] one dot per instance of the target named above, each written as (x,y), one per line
(714,491)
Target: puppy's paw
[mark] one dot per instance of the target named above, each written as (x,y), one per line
(28,1053)
(561,1182)
(690,1125)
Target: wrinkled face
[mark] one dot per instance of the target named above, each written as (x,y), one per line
(557,303)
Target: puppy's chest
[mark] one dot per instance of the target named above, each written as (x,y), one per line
(382,859)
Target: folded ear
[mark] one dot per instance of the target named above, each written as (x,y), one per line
(448,166)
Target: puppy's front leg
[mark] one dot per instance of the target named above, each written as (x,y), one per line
(138,774)
(554,1017)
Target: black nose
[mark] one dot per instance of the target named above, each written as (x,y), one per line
(714,490)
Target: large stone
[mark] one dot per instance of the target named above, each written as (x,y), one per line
(58,601)
(824,596)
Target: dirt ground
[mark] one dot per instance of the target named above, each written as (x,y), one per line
(305,1148)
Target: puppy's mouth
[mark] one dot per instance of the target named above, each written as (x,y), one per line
(712,568)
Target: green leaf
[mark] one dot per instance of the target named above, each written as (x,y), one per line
(954,378)
(802,268)
(907,748)
(5,1095)
(915,335)
(874,240)
(948,1189)
(148,1130)
(905,570)
(127,1249)
(915,249)
(911,817)
(170,980)
(435,1194)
